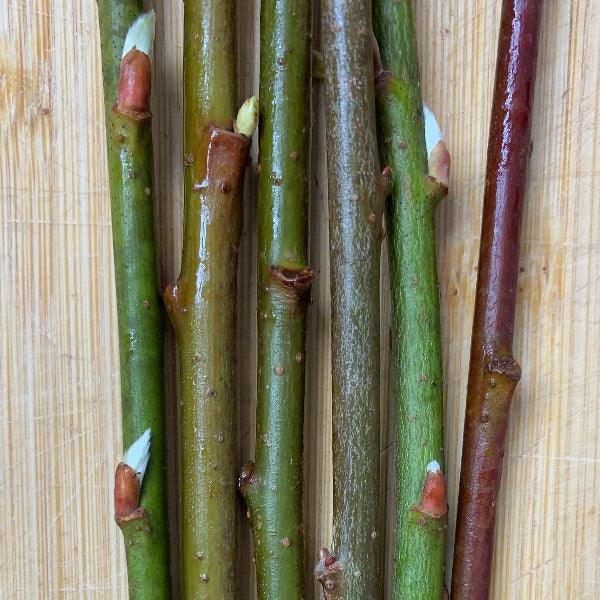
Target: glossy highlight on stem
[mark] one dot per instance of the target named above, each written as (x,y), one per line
(202,303)
(493,372)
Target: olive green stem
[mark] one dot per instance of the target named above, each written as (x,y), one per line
(417,359)
(272,487)
(129,153)
(356,193)
(202,303)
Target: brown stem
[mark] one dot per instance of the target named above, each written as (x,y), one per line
(493,372)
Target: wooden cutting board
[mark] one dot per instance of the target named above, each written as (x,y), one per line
(59,400)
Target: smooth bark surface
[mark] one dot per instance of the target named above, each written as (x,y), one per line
(416,352)
(130,165)
(493,372)
(202,303)
(356,193)
(273,486)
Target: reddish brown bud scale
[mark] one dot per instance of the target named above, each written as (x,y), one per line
(329,560)
(433,501)
(127,491)
(439,163)
(134,85)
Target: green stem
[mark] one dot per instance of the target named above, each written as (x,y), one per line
(355,212)
(273,487)
(129,152)
(202,303)
(417,359)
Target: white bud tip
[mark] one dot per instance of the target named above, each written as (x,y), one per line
(434,467)
(247,117)
(138,454)
(433,133)
(141,34)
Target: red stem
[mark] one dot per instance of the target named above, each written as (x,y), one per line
(493,372)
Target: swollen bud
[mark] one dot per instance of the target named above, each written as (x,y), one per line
(437,151)
(247,117)
(135,71)
(433,499)
(129,476)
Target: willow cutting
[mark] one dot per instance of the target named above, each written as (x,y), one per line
(493,371)
(202,303)
(419,164)
(140,482)
(273,486)
(356,191)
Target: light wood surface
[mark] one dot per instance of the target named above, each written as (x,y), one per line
(59,402)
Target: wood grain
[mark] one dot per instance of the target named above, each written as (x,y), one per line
(59,408)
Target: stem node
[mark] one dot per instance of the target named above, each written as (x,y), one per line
(505,366)
(295,283)
(246,477)
(329,573)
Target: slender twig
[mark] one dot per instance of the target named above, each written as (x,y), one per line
(126,68)
(356,193)
(202,303)
(493,372)
(417,354)
(273,487)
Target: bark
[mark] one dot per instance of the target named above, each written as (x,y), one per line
(272,487)
(129,153)
(202,303)
(416,353)
(493,372)
(356,192)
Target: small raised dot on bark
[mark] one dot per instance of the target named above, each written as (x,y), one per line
(299,357)
(372,217)
(225,187)
(204,577)
(285,542)
(189,159)
(147,191)
(373,535)
(294,155)
(199,555)
(279,370)
(211,392)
